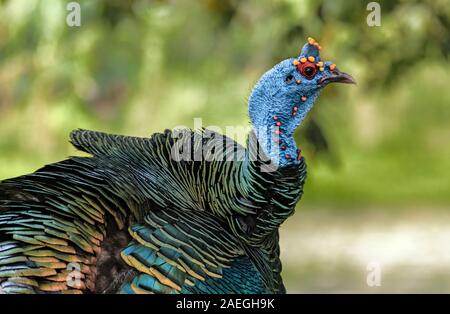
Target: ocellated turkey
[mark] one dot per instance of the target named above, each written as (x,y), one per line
(134,218)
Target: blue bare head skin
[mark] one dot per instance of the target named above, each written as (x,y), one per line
(284,95)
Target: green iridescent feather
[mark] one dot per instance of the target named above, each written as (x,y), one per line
(191,226)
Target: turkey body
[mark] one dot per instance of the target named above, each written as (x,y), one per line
(132,219)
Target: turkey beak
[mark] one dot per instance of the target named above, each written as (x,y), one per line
(338,77)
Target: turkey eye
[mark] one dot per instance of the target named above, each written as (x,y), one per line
(289,78)
(309,71)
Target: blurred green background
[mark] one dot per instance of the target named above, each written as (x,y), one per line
(378,189)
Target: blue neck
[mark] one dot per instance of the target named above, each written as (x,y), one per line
(275,121)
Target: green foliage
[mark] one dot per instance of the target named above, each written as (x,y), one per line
(137,67)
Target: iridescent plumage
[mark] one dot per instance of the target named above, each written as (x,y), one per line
(131,218)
